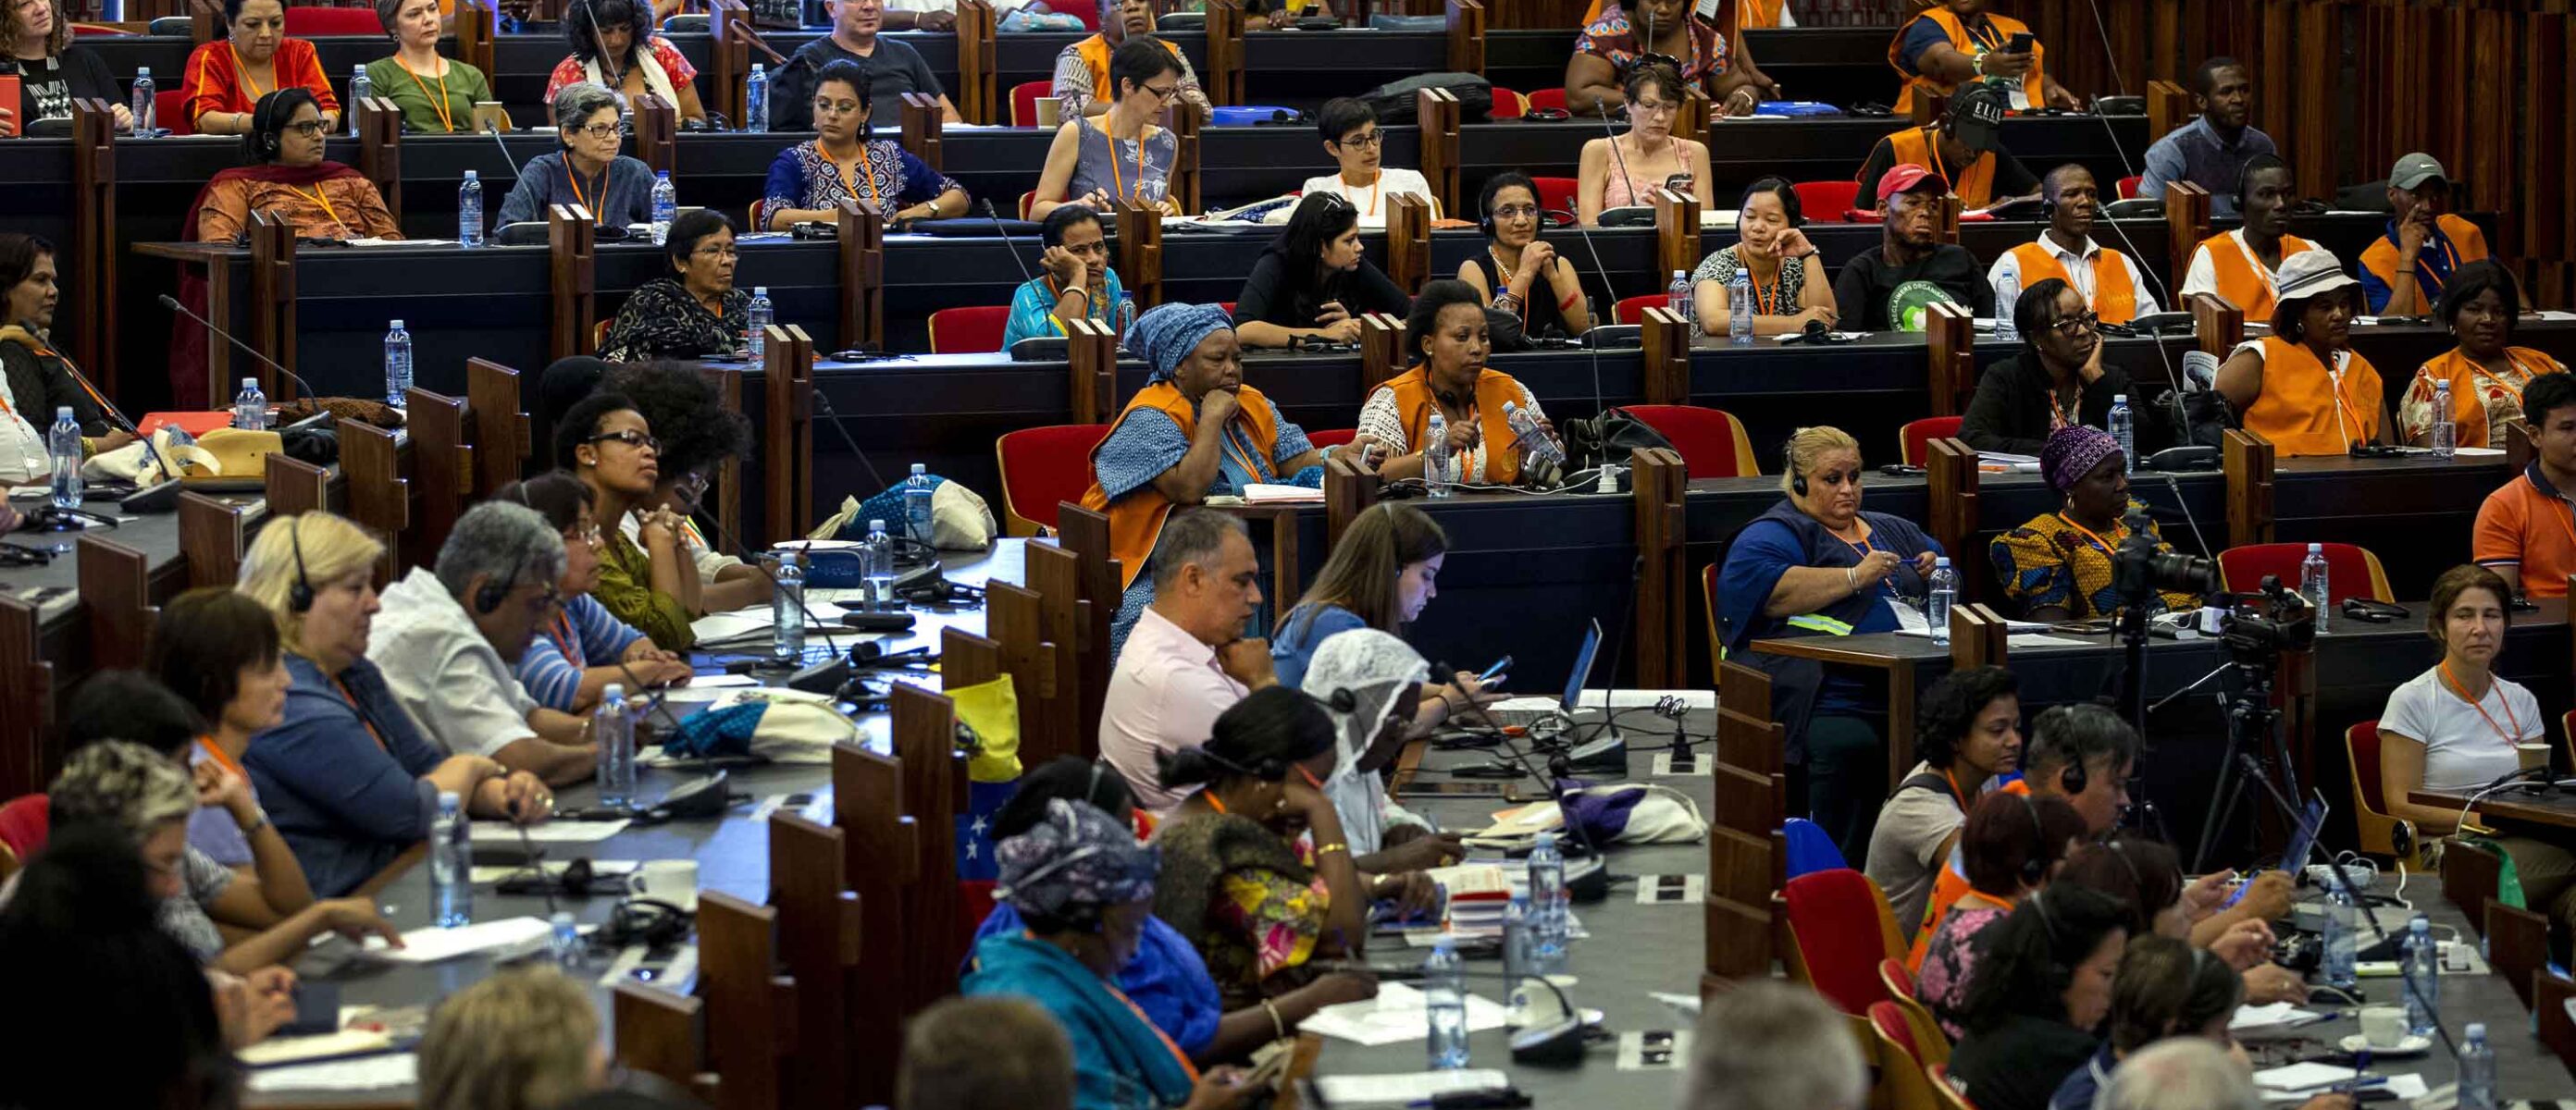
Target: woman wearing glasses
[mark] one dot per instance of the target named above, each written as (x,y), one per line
(2058,379)
(1121,155)
(845,161)
(650,584)
(1621,171)
(588,171)
(286,175)
(584,648)
(1518,272)
(693,312)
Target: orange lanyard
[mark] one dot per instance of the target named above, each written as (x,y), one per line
(82,380)
(2109,546)
(250,82)
(570,645)
(2057,412)
(1140,175)
(1118,185)
(325,202)
(1956,794)
(361,711)
(1214,802)
(1503,280)
(1934,149)
(2509,737)
(1770,305)
(216,752)
(1862,548)
(1473,460)
(578,194)
(1092,310)
(848,184)
(2344,406)
(446,118)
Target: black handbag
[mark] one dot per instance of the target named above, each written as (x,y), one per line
(1610,437)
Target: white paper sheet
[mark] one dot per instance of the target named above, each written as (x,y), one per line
(485,876)
(1269,493)
(286,1050)
(429,946)
(1405,1088)
(363,1073)
(503,833)
(1395,1016)
(2268,1016)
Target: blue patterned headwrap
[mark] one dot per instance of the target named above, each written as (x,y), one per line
(1167,334)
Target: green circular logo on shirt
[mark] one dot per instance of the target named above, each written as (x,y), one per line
(1907,305)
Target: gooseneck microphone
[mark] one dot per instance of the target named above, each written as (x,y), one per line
(1008,246)
(172,303)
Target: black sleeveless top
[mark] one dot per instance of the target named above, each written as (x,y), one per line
(1540,316)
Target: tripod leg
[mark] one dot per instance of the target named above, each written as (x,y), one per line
(2222,805)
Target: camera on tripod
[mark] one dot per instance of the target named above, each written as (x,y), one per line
(2265,625)
(2139,572)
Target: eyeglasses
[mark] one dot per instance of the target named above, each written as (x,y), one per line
(836,107)
(597,130)
(1363,139)
(1166,93)
(2073,326)
(631,438)
(1517,212)
(310,129)
(717,250)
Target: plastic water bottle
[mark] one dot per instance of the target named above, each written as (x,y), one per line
(2312,581)
(143,102)
(63,446)
(1534,440)
(787,611)
(2477,1070)
(1945,592)
(1549,907)
(2342,917)
(757,339)
(563,940)
(2007,295)
(876,566)
(1435,457)
(2445,434)
(917,493)
(1520,925)
(2124,428)
(1740,308)
(666,205)
(755,100)
(2422,985)
(612,727)
(1444,998)
(360,88)
(250,407)
(469,211)
(451,864)
(398,367)
(1677,296)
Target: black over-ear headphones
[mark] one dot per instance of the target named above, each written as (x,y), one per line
(2074,779)
(1789,456)
(299,596)
(2036,867)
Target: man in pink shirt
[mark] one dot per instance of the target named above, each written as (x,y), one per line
(1187,659)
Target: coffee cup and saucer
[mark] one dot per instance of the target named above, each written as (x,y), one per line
(2384,1033)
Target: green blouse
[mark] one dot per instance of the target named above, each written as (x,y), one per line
(626,590)
(418,94)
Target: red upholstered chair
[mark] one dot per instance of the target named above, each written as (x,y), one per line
(1839,930)
(970,328)
(306,22)
(1825,202)
(1931,1045)
(2129,187)
(169,110)
(2370,816)
(1556,194)
(1712,441)
(1541,100)
(1041,468)
(2350,571)
(1331,437)
(1632,310)
(24,823)
(1902,1082)
(1509,104)
(1913,441)
(1943,1091)
(1024,101)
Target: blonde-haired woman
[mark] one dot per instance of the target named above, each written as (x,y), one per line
(1817,565)
(521,1040)
(347,777)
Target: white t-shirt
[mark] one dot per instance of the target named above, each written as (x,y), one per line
(1371,199)
(2461,751)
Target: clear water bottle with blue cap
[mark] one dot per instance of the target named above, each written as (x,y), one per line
(1551,907)
(360,88)
(1740,308)
(1944,593)
(755,100)
(469,211)
(2340,967)
(1435,457)
(756,335)
(2124,428)
(2312,582)
(1444,1000)
(451,864)
(612,727)
(2445,434)
(787,610)
(2007,295)
(63,451)
(1533,439)
(398,367)
(2477,1070)
(2423,981)
(918,495)
(143,103)
(1677,296)
(563,941)
(666,206)
(876,567)
(250,407)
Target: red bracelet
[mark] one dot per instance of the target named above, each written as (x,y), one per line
(1569,300)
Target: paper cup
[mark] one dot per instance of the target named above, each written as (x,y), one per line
(2532,753)
(2383,1026)
(667,880)
(1050,112)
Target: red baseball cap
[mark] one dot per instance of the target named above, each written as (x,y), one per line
(1905,179)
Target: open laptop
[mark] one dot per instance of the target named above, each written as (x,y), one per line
(1584,656)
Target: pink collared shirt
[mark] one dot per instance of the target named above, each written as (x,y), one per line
(1164,696)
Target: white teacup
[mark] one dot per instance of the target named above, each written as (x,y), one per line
(2383,1026)
(667,880)
(1534,1005)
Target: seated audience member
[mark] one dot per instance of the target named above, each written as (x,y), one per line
(1315,281)
(436,95)
(2081,755)
(892,66)
(1964,148)
(225,78)
(1287,12)
(698,435)
(2146,877)
(1381,574)
(588,170)
(2406,270)
(1954,42)
(1352,137)
(2455,728)
(1077,282)
(80,936)
(1371,685)
(2303,387)
(1771,1045)
(1611,50)
(1784,269)
(1236,882)
(523,1039)
(1623,171)
(2059,380)
(614,47)
(1082,80)
(1448,340)
(148,797)
(2162,990)
(2212,150)
(2042,985)
(40,377)
(2487,374)
(1083,887)
(1123,155)
(285,175)
(218,652)
(2187,1073)
(984,1054)
(564,383)
(2242,267)
(2519,534)
(646,580)
(1187,659)
(2113,287)
(450,639)
(1910,250)
(36,45)
(1970,733)
(846,161)
(1816,564)
(344,776)
(2058,566)
(2011,846)
(1518,272)
(694,311)
(582,649)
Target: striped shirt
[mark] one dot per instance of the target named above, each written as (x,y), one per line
(583,634)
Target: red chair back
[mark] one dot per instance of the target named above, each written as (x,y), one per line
(1632,310)
(170,110)
(1841,928)
(24,823)
(2350,571)
(1024,107)
(1890,1022)
(1556,194)
(1825,201)
(1331,437)
(2363,739)
(955,331)
(2129,187)
(1712,441)
(1914,440)
(1897,980)
(1509,104)
(305,21)
(1043,467)
(1541,100)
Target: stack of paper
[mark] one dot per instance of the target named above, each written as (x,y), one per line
(1479,895)
(2277,1015)
(1264,493)
(362,1073)
(429,946)
(1395,1016)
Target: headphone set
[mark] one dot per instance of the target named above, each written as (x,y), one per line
(2034,868)
(650,922)
(299,596)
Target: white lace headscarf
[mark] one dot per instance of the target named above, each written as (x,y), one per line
(1376,668)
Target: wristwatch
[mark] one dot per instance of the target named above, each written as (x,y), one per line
(259,823)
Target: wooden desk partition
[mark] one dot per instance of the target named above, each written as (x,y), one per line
(1381,350)
(572,240)
(1676,233)
(979,92)
(923,120)
(729,58)
(2186,224)
(1663,628)
(1140,246)
(724,497)
(1951,466)
(272,308)
(787,453)
(1103,586)
(1976,637)
(1184,187)
(1350,488)
(88,274)
(657,1032)
(1056,574)
(934,787)
(2517,946)
(443,463)
(380,497)
(884,847)
(2218,325)
(1466,38)
(380,153)
(1951,208)
(2550,999)
(1408,240)
(27,759)
(750,1008)
(476,27)
(1696,111)
(2249,460)
(2168,107)
(501,432)
(1091,355)
(657,131)
(818,941)
(1222,79)
(1436,116)
(211,534)
(862,259)
(116,600)
(1039,670)
(1746,858)
(1667,369)
(1950,351)
(296,487)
